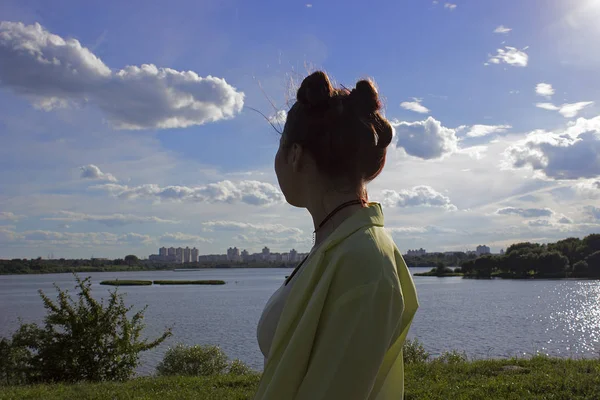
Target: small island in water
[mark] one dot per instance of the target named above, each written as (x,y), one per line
(120,282)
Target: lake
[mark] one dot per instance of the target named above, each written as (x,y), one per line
(484,318)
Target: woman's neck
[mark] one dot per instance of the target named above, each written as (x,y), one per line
(319,210)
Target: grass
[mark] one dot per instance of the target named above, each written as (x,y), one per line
(205,282)
(535,378)
(119,282)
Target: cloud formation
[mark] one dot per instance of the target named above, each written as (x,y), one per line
(484,130)
(54,73)
(426,139)
(526,212)
(93,172)
(593,212)
(570,154)
(502,29)
(179,238)
(71,239)
(567,110)
(544,89)
(588,188)
(235,225)
(249,192)
(8,216)
(511,56)
(450,6)
(417,196)
(415,106)
(108,220)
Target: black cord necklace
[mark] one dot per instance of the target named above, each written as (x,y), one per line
(327,218)
(331,214)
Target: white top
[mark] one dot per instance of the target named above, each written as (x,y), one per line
(271,314)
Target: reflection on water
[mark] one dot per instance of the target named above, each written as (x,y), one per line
(485,318)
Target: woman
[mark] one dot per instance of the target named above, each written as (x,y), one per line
(336,327)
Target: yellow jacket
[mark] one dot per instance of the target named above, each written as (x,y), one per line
(345,321)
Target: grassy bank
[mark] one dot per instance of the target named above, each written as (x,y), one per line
(536,378)
(124,282)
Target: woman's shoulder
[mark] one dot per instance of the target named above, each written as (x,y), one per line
(367,255)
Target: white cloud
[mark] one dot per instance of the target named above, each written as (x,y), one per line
(93,172)
(279,118)
(511,56)
(179,237)
(249,192)
(593,212)
(569,154)
(526,212)
(309,5)
(411,230)
(417,196)
(415,106)
(544,89)
(567,110)
(71,239)
(589,188)
(426,139)
(55,72)
(484,130)
(502,29)
(108,220)
(450,6)
(8,216)
(235,225)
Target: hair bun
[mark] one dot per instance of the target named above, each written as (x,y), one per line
(315,91)
(365,98)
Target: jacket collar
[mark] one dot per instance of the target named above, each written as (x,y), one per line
(372,215)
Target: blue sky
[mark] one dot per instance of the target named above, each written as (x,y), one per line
(128,126)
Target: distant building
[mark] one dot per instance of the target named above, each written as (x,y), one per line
(482,249)
(171,251)
(245,255)
(195,254)
(266,253)
(233,254)
(162,251)
(501,252)
(187,255)
(293,255)
(419,252)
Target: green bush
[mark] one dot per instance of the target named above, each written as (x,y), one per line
(194,360)
(237,367)
(451,357)
(83,340)
(414,352)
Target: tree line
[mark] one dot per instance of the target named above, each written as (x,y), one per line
(567,258)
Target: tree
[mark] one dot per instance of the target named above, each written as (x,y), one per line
(552,263)
(84,340)
(591,243)
(570,248)
(593,262)
(131,259)
(580,269)
(524,247)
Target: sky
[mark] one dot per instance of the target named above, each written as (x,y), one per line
(126,126)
